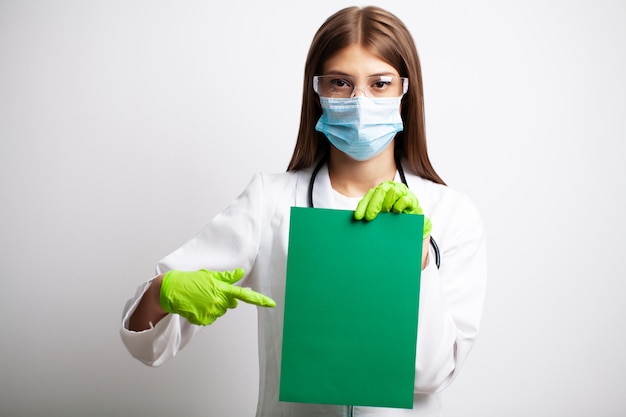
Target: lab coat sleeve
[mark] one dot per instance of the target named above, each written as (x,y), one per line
(451,298)
(228,241)
(157,345)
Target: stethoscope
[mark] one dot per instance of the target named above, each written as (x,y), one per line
(321,163)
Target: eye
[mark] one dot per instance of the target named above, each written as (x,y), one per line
(381,83)
(339,83)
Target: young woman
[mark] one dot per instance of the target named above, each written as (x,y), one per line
(361,146)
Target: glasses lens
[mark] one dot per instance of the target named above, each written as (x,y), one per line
(334,86)
(340,86)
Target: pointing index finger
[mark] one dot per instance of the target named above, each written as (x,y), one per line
(252,297)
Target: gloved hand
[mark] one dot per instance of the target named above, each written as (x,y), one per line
(203,296)
(390,197)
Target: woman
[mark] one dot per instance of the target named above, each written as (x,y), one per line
(361,136)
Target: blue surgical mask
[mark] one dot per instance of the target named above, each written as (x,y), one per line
(360,126)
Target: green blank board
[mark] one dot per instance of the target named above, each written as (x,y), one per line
(351,308)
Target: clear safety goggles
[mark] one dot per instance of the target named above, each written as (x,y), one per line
(344,86)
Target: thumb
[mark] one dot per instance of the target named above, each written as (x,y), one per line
(229,277)
(359,213)
(251,297)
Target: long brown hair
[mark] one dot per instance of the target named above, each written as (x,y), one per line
(387,37)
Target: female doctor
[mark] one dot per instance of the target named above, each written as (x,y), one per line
(361,146)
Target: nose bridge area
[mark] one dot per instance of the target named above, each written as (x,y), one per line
(355,93)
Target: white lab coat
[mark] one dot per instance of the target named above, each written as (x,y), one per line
(252,233)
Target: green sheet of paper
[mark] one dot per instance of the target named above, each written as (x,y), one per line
(351,308)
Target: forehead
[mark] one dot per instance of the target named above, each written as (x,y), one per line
(357,61)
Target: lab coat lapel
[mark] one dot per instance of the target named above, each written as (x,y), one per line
(322,190)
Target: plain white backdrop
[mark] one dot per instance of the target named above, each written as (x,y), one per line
(126,125)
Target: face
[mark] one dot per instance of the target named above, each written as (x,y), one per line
(361,130)
(358,63)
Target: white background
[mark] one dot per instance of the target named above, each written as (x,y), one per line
(126,125)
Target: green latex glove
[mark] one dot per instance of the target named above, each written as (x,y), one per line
(390,197)
(203,296)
